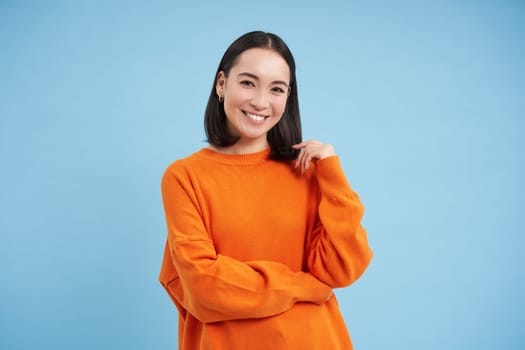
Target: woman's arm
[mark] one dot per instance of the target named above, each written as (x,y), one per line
(337,248)
(215,287)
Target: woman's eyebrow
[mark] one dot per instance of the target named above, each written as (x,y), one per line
(253,76)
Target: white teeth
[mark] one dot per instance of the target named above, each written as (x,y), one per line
(255,117)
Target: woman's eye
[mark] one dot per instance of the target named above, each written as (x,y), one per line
(247,83)
(278,90)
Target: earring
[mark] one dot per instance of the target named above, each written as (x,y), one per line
(221,99)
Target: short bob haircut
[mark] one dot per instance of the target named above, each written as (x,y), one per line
(285,133)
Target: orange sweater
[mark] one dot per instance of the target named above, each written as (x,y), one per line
(254,249)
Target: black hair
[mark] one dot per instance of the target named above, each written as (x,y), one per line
(285,133)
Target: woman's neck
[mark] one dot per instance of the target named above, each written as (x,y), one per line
(241,147)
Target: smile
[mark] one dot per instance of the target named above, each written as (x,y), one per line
(255,117)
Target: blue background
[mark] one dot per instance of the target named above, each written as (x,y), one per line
(423,100)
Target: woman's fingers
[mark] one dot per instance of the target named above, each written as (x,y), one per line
(310,151)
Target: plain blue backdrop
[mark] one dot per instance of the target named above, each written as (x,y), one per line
(423,100)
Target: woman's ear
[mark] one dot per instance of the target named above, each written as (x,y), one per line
(219,86)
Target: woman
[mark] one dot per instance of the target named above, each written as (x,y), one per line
(261,226)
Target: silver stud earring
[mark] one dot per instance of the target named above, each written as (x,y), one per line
(221,99)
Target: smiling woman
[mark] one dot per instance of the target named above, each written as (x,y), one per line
(261,225)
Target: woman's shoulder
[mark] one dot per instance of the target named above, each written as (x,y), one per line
(185,164)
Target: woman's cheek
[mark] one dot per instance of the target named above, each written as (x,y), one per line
(280,106)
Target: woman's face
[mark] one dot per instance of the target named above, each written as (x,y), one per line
(255,94)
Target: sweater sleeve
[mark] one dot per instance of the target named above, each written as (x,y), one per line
(214,287)
(337,248)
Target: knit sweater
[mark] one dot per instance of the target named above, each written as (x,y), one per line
(254,249)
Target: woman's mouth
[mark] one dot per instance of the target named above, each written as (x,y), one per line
(255,117)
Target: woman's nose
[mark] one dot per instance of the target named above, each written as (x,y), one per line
(259,100)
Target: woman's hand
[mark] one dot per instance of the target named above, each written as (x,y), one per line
(311,151)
